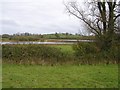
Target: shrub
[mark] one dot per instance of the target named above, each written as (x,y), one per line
(25,52)
(83,49)
(90,52)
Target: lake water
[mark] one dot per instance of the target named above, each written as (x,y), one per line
(37,43)
(59,42)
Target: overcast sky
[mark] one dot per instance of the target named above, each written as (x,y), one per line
(36,16)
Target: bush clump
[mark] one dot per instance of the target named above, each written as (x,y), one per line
(25,52)
(89,52)
(82,49)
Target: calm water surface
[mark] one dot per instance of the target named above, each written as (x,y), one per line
(59,42)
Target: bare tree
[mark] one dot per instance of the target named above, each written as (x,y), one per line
(118,19)
(99,16)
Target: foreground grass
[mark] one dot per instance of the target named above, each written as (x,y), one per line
(66,76)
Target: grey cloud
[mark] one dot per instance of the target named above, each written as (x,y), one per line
(9,22)
(37,16)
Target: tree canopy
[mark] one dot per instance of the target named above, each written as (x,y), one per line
(99,16)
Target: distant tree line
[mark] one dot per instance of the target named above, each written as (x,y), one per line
(35,37)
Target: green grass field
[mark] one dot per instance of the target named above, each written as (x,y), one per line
(65,48)
(65,76)
(54,75)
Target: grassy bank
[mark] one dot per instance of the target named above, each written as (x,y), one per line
(66,76)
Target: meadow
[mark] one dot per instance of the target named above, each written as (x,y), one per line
(58,66)
(65,76)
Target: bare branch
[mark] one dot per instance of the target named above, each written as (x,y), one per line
(116,17)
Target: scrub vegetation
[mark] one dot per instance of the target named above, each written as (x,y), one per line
(81,53)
